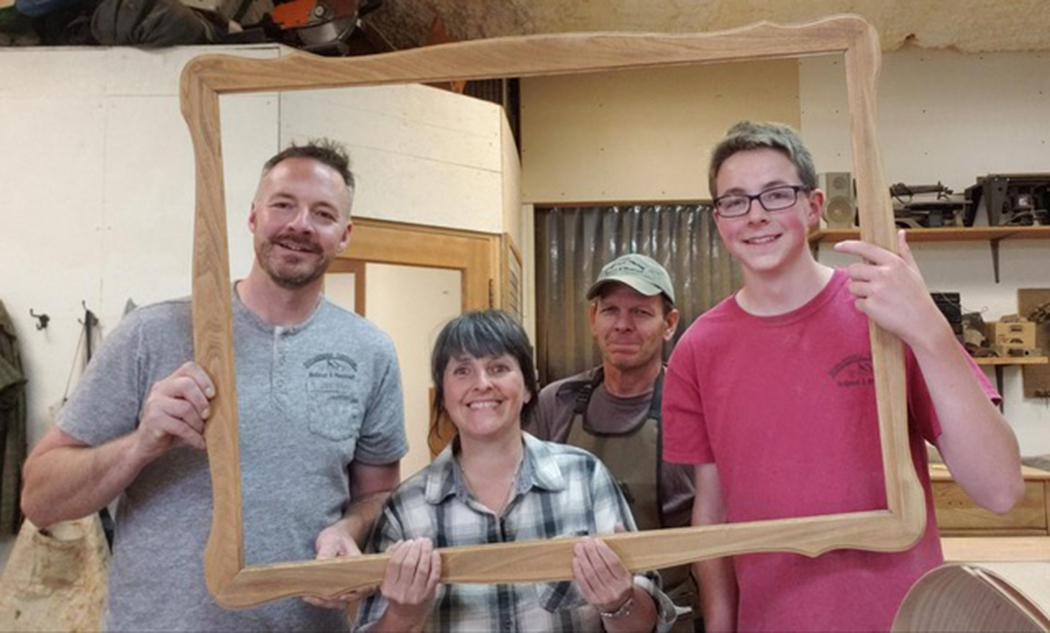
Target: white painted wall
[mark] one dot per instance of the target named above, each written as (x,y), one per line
(97,180)
(96,171)
(950,117)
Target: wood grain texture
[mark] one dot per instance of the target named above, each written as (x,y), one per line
(1012,360)
(979,597)
(410,245)
(956,511)
(958,515)
(213,334)
(983,549)
(204,78)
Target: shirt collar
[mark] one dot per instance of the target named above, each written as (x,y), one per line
(539,469)
(244,312)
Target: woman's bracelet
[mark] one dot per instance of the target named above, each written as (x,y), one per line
(623,611)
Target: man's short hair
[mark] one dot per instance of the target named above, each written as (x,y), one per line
(325,151)
(751,135)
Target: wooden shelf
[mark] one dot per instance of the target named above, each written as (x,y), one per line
(948,234)
(999,361)
(991,234)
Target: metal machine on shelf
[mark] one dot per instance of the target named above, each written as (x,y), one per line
(1011,199)
(927,206)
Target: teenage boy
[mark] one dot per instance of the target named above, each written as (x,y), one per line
(771,395)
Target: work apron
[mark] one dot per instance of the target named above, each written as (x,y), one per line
(635,459)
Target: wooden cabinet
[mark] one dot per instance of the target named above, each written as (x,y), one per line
(957,515)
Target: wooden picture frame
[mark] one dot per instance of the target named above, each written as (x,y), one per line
(232,584)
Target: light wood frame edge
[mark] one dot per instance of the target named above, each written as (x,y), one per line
(206,77)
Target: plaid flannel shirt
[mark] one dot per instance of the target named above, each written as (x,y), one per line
(559,491)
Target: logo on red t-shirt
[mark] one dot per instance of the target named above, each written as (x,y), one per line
(853,371)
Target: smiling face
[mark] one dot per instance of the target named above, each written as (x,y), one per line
(630,328)
(300,220)
(766,243)
(484,396)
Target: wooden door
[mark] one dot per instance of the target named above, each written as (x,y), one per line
(378,246)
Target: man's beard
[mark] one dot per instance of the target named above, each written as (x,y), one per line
(298,277)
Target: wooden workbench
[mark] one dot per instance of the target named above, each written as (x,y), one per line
(957,515)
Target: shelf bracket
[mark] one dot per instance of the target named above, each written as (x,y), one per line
(994,243)
(999,380)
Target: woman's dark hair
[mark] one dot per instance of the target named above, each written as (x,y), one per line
(478,334)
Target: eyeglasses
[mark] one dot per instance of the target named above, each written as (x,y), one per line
(774,199)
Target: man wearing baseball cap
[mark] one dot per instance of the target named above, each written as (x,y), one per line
(613,410)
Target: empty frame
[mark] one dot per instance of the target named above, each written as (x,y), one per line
(205,78)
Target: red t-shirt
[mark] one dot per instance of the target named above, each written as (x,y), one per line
(785,405)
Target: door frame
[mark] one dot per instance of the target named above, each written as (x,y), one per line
(474,254)
(477,256)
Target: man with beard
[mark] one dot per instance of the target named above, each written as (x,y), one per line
(321,422)
(613,410)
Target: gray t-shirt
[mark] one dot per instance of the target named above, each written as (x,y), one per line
(312,398)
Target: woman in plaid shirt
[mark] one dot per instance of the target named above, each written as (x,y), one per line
(495,483)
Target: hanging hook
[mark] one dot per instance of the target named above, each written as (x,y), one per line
(89,320)
(42,319)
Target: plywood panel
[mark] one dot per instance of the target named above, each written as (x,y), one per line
(420,154)
(511,172)
(413,120)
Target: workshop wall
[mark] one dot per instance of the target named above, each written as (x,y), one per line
(641,135)
(97,175)
(945,116)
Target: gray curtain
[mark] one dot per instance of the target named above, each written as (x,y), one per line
(572,245)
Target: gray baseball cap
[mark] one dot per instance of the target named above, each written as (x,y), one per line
(639,272)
